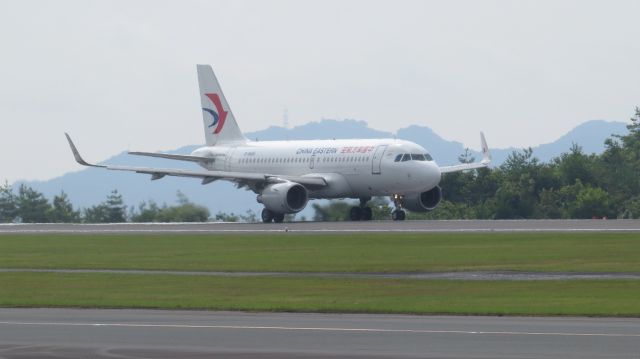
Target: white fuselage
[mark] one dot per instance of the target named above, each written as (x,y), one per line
(357,168)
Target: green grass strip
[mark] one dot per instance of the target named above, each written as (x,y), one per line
(575,298)
(290,252)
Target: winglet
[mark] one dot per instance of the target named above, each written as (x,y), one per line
(76,154)
(486,155)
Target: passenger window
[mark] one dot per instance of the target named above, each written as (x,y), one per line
(406,157)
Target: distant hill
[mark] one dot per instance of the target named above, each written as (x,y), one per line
(90,186)
(589,135)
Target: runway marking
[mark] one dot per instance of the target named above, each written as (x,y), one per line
(321,329)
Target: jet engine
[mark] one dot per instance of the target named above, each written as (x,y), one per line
(286,197)
(425,201)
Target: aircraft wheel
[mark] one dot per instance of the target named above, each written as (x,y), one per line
(267,215)
(278,218)
(398,215)
(367,214)
(355,214)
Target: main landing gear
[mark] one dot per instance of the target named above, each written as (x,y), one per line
(361,212)
(398,214)
(269,216)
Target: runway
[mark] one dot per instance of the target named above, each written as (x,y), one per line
(74,333)
(337,227)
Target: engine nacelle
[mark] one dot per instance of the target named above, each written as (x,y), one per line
(286,197)
(425,201)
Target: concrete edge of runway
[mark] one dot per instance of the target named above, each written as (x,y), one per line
(430,226)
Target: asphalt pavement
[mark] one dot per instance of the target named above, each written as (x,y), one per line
(83,333)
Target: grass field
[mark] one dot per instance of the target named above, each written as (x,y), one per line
(424,252)
(289,252)
(593,298)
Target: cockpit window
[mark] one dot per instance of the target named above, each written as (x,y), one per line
(413,157)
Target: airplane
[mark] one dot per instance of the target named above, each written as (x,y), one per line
(285,175)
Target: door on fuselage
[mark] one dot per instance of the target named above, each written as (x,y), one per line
(376,160)
(312,161)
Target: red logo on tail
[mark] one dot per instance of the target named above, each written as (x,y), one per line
(222,114)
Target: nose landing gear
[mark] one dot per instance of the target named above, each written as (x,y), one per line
(398,214)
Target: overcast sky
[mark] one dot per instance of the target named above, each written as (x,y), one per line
(121,74)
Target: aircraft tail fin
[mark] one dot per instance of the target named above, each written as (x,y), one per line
(486,155)
(220,125)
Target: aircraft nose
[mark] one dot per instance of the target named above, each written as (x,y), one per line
(432,174)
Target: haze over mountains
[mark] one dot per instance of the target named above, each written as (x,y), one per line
(90,186)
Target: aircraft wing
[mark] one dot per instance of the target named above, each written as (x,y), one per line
(242,178)
(173,157)
(486,159)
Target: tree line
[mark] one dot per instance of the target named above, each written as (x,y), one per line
(30,206)
(572,185)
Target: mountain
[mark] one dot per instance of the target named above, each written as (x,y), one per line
(589,135)
(90,186)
